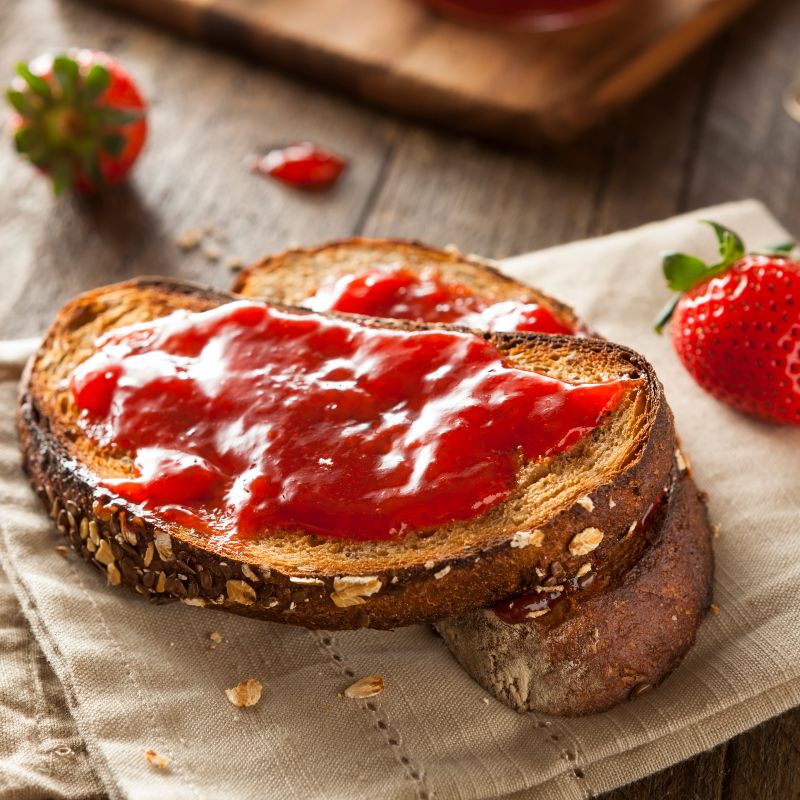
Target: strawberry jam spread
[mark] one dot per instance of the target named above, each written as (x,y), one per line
(247,418)
(401,294)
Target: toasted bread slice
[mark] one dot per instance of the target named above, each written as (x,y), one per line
(608,478)
(615,644)
(295,275)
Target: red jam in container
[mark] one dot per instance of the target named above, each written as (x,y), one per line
(246,419)
(530,14)
(402,294)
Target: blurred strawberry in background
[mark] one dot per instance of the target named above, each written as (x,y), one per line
(79,118)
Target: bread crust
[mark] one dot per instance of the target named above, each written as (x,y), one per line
(614,645)
(165,562)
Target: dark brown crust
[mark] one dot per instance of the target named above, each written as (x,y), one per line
(615,645)
(246,282)
(411,594)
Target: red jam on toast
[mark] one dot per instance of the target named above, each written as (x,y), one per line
(402,294)
(248,419)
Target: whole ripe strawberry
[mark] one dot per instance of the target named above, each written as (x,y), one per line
(736,326)
(79,118)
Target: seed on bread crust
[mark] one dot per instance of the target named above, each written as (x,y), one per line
(586,502)
(540,613)
(113,574)
(354,590)
(442,572)
(163,544)
(527,539)
(104,554)
(585,541)
(240,592)
(248,573)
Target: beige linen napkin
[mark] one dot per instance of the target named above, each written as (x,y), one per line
(138,676)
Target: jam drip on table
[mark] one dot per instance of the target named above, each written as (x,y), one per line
(303,165)
(402,294)
(246,418)
(550,604)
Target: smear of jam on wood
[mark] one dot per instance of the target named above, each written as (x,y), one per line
(304,165)
(247,419)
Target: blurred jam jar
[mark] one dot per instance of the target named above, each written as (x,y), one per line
(527,14)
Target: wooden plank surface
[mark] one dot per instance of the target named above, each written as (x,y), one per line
(714,131)
(508,86)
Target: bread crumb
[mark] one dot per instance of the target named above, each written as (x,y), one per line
(714,609)
(212,252)
(245,694)
(715,529)
(61,550)
(485,700)
(369,686)
(188,239)
(215,637)
(674,618)
(156,760)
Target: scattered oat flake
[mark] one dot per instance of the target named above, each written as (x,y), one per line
(245,694)
(212,251)
(215,636)
(188,239)
(61,550)
(369,686)
(156,760)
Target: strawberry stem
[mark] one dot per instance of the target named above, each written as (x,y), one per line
(683,272)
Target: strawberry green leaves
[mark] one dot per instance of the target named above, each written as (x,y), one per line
(66,122)
(684,272)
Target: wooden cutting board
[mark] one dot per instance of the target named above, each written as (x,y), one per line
(511,87)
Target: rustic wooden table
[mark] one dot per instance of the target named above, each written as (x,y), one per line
(715,131)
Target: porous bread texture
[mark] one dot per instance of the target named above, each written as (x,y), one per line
(615,645)
(329,583)
(295,275)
